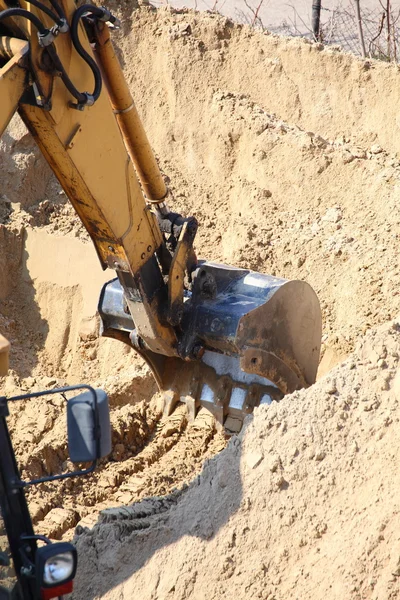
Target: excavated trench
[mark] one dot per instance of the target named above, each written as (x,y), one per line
(49,293)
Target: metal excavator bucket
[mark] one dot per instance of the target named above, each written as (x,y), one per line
(254,338)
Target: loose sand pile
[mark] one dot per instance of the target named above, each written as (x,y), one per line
(303,504)
(288,156)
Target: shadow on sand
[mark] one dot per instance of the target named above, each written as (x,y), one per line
(127,538)
(21,321)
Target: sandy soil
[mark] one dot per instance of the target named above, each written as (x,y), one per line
(288,156)
(303,504)
(287,17)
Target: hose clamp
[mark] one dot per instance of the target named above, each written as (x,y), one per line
(108,17)
(63,26)
(89,99)
(47,37)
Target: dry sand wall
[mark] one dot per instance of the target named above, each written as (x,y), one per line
(304,503)
(320,89)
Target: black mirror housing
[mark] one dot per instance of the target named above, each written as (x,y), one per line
(81,423)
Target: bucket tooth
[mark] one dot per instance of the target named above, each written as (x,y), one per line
(217,411)
(252,399)
(170,399)
(192,406)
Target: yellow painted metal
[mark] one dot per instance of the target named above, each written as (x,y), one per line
(4,355)
(13,78)
(128,118)
(184,260)
(87,153)
(10,46)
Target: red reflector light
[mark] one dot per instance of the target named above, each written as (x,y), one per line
(57,590)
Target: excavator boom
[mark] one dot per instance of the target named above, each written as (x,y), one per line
(215,336)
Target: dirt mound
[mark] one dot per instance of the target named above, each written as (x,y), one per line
(303,504)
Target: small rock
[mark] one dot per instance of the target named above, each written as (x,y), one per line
(89,329)
(275,463)
(48,381)
(348,157)
(91,353)
(333,215)
(331,387)
(281,483)
(29,382)
(253,459)
(180,30)
(358,153)
(300,261)
(119,452)
(375,149)
(266,193)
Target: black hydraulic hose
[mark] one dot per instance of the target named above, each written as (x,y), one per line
(21,12)
(78,14)
(46,10)
(58,9)
(88,8)
(81,98)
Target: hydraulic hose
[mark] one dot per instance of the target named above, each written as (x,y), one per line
(58,9)
(46,10)
(21,12)
(78,14)
(82,98)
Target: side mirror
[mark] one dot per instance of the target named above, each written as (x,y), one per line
(88,424)
(83,443)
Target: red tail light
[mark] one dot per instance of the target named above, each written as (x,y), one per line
(58,590)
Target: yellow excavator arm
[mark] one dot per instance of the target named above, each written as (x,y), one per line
(216,336)
(85,140)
